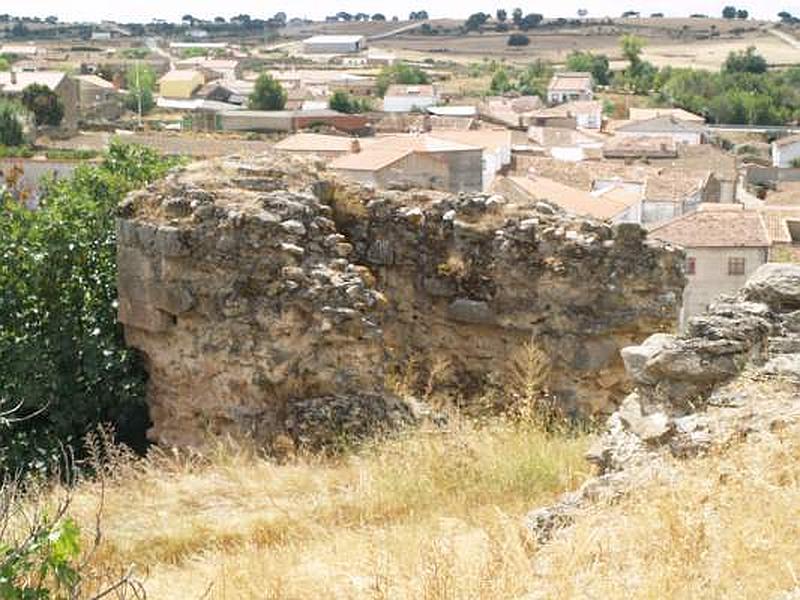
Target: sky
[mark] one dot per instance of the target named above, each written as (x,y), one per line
(172,10)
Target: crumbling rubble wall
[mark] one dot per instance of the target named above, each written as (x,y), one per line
(251,286)
(734,374)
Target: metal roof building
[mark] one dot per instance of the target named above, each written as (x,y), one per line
(334,44)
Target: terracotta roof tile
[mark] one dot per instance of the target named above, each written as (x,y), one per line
(715,226)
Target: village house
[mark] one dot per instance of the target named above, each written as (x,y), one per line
(288,121)
(567,86)
(613,204)
(230,91)
(13,83)
(422,161)
(212,68)
(180,84)
(786,152)
(682,132)
(584,114)
(495,144)
(407,98)
(334,44)
(98,99)
(724,245)
(635,147)
(510,112)
(782,223)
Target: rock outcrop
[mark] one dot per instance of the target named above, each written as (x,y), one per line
(735,373)
(257,289)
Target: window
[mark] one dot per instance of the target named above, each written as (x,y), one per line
(691,265)
(736,266)
(794,230)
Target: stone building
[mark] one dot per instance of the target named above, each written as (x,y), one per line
(724,244)
(99,99)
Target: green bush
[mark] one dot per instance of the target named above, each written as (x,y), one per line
(268,94)
(11,124)
(63,359)
(346,103)
(44,103)
(400,73)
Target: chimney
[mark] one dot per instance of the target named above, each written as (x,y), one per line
(355,146)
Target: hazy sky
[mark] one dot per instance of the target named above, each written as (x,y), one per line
(145,10)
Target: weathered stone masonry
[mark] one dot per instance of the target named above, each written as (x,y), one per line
(256,286)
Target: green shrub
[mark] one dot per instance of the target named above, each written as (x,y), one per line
(63,359)
(11,123)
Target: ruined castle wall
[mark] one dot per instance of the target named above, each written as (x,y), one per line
(252,285)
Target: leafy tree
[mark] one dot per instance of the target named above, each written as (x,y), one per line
(747,61)
(44,103)
(530,21)
(140,81)
(268,94)
(533,80)
(11,123)
(378,17)
(742,14)
(632,46)
(501,82)
(400,73)
(5,65)
(587,62)
(419,15)
(518,39)
(475,21)
(63,356)
(501,15)
(516,16)
(346,103)
(729,12)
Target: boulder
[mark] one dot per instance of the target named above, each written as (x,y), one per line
(775,284)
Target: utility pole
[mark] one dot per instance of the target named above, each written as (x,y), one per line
(139,94)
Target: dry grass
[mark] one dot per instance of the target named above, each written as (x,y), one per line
(729,527)
(428,515)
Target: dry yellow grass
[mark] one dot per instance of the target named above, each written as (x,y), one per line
(729,527)
(438,516)
(428,515)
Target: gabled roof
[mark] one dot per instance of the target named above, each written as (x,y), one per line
(373,159)
(578,202)
(661,125)
(14,83)
(715,226)
(568,81)
(181,75)
(379,152)
(96,80)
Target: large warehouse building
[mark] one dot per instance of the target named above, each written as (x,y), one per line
(334,44)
